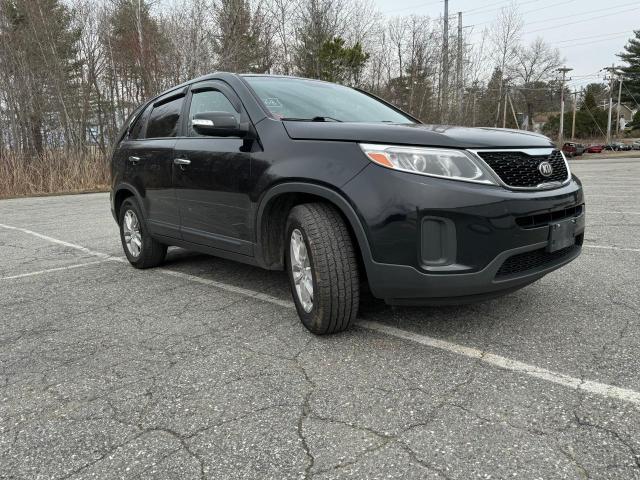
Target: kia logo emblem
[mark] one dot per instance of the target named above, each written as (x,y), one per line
(545,169)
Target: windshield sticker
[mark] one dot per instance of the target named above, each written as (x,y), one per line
(272,102)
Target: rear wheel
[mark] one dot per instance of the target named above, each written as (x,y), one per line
(141,249)
(322,267)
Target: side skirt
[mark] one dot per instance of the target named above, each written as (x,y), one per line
(216,252)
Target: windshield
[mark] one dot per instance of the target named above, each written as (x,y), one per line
(299,99)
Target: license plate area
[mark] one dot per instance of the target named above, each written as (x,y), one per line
(562,235)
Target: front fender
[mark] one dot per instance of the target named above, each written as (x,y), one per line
(332,196)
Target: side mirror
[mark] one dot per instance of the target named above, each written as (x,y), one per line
(217,124)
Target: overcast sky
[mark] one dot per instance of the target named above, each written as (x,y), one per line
(601,28)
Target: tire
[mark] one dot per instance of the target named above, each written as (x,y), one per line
(150,252)
(332,266)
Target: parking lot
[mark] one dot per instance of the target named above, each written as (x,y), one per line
(201,368)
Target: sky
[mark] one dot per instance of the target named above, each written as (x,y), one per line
(588,33)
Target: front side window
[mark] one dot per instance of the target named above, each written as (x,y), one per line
(209,101)
(300,99)
(163,121)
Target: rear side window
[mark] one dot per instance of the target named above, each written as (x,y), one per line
(136,130)
(164,119)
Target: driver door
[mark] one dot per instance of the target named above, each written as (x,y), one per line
(211,176)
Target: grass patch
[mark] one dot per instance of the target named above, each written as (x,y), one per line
(54,171)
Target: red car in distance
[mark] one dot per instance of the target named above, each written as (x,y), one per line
(595,148)
(573,149)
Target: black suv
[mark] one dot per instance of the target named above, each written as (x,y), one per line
(344,191)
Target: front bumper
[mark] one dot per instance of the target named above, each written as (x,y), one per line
(482,227)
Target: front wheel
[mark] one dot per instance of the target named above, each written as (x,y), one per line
(322,267)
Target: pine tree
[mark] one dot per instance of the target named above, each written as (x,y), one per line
(240,46)
(632,70)
(340,63)
(38,59)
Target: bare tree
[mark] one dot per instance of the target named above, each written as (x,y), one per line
(505,40)
(535,64)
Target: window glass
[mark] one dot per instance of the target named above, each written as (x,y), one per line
(301,99)
(209,101)
(163,121)
(136,130)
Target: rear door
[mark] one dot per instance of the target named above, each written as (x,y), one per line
(213,188)
(152,158)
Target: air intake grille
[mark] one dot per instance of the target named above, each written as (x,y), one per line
(520,170)
(533,221)
(534,260)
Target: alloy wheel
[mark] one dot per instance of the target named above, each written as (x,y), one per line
(301,270)
(132,233)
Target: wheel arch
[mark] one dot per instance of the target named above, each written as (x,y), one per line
(273,210)
(120,194)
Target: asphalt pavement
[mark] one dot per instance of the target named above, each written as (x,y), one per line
(201,368)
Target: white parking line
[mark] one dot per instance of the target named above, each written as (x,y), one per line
(504,363)
(59,242)
(609,212)
(229,288)
(591,195)
(58,269)
(508,364)
(607,247)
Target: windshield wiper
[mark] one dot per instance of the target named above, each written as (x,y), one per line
(314,119)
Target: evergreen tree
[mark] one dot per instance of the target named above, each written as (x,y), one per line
(138,49)
(631,71)
(594,93)
(488,101)
(339,63)
(38,57)
(240,47)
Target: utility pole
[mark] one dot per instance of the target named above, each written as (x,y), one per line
(564,71)
(611,71)
(459,65)
(473,110)
(445,63)
(618,107)
(504,110)
(513,112)
(573,122)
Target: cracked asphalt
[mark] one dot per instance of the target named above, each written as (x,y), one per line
(182,372)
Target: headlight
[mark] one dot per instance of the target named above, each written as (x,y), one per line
(435,162)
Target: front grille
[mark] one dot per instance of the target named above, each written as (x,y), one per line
(537,259)
(533,221)
(520,170)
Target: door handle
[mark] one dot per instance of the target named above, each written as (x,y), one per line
(181,161)
(133,160)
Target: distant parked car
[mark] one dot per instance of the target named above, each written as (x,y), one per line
(616,146)
(573,149)
(595,148)
(636,145)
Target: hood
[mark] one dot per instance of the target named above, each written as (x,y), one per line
(417,134)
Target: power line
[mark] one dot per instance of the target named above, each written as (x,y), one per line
(631,94)
(420,5)
(626,32)
(594,41)
(480,10)
(555,4)
(588,12)
(562,25)
(570,23)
